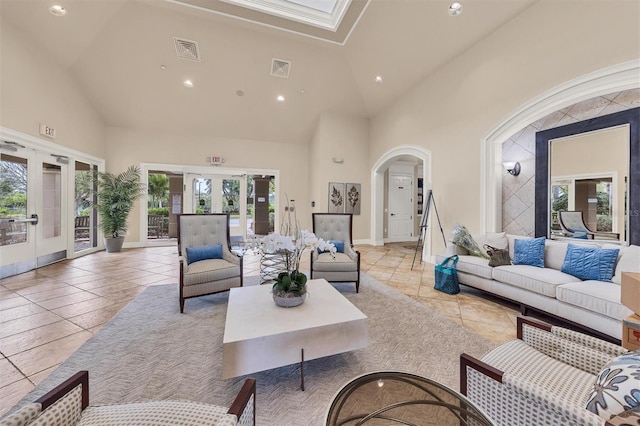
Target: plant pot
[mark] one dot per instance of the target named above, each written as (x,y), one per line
(113,244)
(289,302)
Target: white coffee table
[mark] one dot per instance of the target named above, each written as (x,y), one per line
(259,335)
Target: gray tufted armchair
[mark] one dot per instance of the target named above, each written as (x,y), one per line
(207,264)
(345,266)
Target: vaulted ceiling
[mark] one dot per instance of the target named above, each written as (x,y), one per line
(122,55)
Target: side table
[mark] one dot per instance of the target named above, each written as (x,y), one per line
(271,264)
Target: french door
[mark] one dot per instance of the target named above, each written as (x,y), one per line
(206,193)
(33,208)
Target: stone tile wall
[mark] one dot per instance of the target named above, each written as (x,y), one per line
(518,192)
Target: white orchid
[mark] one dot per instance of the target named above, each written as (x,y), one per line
(292,248)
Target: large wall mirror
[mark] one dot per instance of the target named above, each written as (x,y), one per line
(591,167)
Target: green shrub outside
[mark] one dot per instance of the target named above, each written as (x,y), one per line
(604,223)
(159,211)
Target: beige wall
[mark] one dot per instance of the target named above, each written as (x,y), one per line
(127,147)
(595,153)
(447,113)
(346,137)
(451,111)
(35,90)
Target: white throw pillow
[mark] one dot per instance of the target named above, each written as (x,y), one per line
(617,387)
(628,261)
(494,239)
(554,254)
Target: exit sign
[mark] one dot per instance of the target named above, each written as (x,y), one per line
(214,159)
(47,131)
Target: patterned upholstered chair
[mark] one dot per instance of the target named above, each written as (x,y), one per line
(345,266)
(544,377)
(207,264)
(68,404)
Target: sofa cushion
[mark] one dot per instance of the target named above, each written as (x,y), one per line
(590,263)
(157,413)
(617,387)
(541,376)
(471,264)
(529,252)
(595,296)
(339,262)
(539,280)
(209,270)
(628,261)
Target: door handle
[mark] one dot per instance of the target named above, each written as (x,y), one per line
(33,220)
(393,214)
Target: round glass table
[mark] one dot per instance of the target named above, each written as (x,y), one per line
(395,398)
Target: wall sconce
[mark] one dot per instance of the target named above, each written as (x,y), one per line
(512,167)
(338,160)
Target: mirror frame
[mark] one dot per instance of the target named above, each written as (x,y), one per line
(543,141)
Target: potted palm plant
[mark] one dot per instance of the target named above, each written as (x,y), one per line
(115,197)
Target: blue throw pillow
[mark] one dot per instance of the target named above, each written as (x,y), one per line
(195,254)
(580,235)
(338,244)
(529,252)
(590,263)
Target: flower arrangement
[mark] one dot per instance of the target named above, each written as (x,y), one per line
(291,282)
(462,238)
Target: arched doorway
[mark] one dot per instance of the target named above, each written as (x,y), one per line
(378,187)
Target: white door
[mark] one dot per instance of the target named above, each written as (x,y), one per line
(218,194)
(33,209)
(400,207)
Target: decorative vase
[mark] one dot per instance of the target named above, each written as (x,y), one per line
(113,245)
(288,302)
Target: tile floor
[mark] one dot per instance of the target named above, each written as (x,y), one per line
(45,315)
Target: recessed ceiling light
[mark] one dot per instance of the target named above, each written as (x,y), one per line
(57,10)
(188,83)
(455,9)
(280,98)
(239,93)
(378,79)
(163,67)
(302,92)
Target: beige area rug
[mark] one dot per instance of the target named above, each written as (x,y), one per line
(150,351)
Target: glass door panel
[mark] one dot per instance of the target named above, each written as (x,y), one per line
(218,194)
(231,203)
(85,217)
(33,221)
(14,172)
(51,208)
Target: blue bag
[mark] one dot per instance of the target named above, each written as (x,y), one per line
(447,276)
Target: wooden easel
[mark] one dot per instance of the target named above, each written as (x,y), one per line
(423,226)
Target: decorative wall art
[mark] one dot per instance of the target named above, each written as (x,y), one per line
(352,196)
(336,197)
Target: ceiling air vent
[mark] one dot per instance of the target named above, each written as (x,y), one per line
(187,49)
(280,68)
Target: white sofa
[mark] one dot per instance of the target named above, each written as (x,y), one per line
(591,304)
